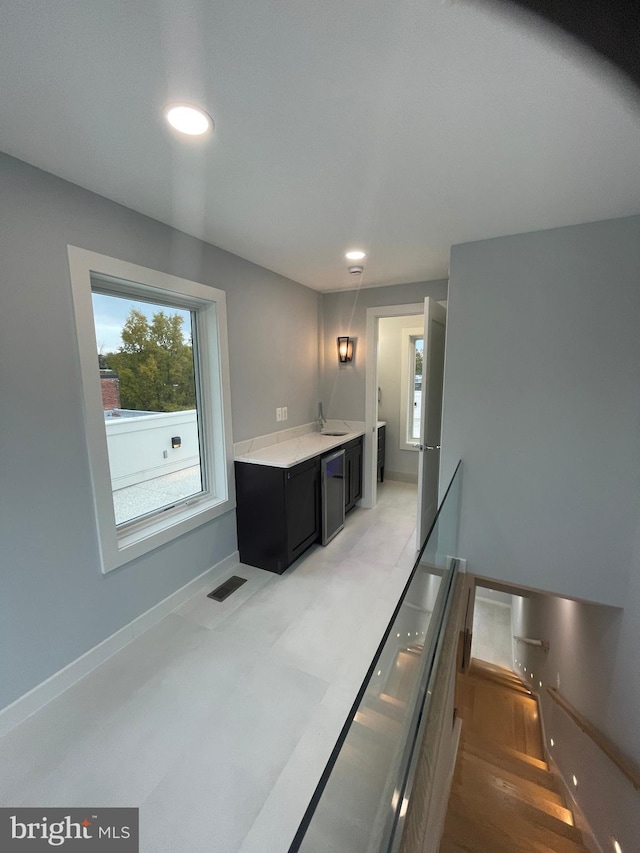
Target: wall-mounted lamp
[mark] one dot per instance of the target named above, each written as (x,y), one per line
(176,441)
(345,349)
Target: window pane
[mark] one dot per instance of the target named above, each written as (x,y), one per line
(417,388)
(148,381)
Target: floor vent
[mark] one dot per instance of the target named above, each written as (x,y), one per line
(225,589)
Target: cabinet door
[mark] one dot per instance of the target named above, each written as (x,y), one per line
(260,514)
(353,473)
(355,483)
(347,481)
(381,452)
(302,497)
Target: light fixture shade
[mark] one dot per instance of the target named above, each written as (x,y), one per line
(345,349)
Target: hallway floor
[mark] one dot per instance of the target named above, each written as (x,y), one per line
(218,721)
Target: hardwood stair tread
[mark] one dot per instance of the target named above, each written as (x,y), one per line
(517,687)
(473,833)
(500,809)
(474,769)
(503,760)
(498,713)
(498,675)
(495,744)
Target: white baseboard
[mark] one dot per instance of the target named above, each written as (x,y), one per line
(18,711)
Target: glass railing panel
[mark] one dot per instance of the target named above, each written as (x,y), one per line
(357,806)
(442,542)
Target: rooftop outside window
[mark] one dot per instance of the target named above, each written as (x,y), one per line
(154,362)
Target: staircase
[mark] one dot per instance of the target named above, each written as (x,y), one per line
(503,799)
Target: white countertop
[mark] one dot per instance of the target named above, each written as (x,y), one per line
(286,454)
(286,448)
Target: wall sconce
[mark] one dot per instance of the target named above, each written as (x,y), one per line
(345,350)
(176,441)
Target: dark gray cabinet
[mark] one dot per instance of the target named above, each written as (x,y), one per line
(278,509)
(302,505)
(278,512)
(382,437)
(352,473)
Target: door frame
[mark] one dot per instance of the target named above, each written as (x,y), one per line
(434,315)
(370,464)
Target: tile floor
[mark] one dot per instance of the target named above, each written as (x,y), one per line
(218,721)
(492,632)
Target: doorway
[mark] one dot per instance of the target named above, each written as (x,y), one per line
(399,393)
(406,391)
(492,632)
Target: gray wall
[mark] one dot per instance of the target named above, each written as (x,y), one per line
(584,639)
(542,403)
(345,313)
(397,461)
(55,602)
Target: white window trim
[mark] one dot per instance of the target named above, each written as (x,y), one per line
(406,376)
(118,547)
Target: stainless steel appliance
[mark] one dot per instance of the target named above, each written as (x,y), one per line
(332,480)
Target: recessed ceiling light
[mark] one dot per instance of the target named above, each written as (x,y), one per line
(355,255)
(190,120)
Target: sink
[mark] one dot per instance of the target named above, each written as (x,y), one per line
(335,432)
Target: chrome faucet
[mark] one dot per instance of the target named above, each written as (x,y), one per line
(321,418)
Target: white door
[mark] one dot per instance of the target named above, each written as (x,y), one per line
(431,417)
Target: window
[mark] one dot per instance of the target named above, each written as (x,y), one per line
(411,397)
(154,366)
(415,388)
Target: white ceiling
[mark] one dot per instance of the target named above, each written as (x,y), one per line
(402,126)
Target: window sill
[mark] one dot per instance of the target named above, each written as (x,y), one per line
(137,540)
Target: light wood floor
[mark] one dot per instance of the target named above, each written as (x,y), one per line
(503,799)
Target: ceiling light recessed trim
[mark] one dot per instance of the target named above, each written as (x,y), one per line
(188,119)
(355,255)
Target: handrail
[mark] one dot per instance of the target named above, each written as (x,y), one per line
(624,764)
(543,644)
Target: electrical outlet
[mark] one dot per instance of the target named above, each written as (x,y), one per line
(278,414)
(285,414)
